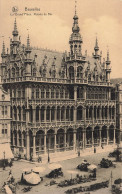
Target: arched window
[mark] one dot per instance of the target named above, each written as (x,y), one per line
(57,93)
(24,114)
(42,92)
(71,72)
(89,77)
(47,92)
(13,72)
(34,72)
(37,92)
(79,72)
(17,72)
(32,94)
(52,92)
(61,93)
(9,73)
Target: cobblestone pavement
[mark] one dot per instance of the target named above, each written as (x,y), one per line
(69,169)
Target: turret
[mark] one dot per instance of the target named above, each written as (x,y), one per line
(75,38)
(108,68)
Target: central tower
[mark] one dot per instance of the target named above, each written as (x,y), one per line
(75,40)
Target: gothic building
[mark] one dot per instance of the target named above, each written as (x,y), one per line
(59,101)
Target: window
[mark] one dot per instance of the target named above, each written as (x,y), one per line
(42,92)
(5,110)
(57,93)
(47,93)
(13,72)
(4,129)
(2,110)
(23,92)
(32,92)
(52,92)
(61,93)
(19,93)
(37,92)
(14,92)
(17,72)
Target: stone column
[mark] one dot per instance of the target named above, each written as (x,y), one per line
(27,145)
(75,115)
(100,137)
(74,140)
(34,116)
(55,114)
(65,114)
(45,146)
(65,141)
(17,139)
(22,143)
(34,147)
(114,136)
(50,115)
(93,114)
(69,113)
(107,134)
(84,138)
(45,114)
(100,113)
(93,137)
(55,142)
(108,112)
(84,93)
(84,114)
(60,114)
(39,115)
(75,93)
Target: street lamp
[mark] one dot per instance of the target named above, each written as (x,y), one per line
(4,160)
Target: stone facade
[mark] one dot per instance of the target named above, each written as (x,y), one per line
(4,116)
(119,111)
(59,101)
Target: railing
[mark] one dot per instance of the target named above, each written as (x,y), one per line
(55,80)
(69,123)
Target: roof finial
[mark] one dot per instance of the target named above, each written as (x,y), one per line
(15,25)
(28,41)
(107,53)
(75,7)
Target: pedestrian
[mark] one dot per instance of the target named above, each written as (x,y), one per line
(94,150)
(48,159)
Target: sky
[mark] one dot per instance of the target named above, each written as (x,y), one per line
(52,30)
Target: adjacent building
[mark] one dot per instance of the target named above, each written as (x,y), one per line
(5,151)
(119,111)
(59,101)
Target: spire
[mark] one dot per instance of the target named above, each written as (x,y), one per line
(15,31)
(75,27)
(28,41)
(108,59)
(15,25)
(96,48)
(3,49)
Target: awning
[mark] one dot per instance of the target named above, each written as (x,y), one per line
(5,149)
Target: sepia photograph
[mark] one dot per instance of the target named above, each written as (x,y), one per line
(60,96)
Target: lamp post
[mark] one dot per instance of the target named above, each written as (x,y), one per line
(4,160)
